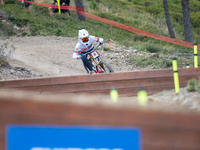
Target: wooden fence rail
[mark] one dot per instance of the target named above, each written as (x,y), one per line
(127,83)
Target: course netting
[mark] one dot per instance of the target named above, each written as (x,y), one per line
(81,11)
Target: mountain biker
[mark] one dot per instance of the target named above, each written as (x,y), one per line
(84,45)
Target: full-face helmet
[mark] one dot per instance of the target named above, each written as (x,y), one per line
(83,36)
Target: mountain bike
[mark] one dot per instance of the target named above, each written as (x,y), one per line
(97,62)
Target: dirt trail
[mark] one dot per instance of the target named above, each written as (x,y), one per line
(47,56)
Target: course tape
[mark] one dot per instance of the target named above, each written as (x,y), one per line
(81,11)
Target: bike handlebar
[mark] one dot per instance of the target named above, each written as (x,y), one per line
(91,50)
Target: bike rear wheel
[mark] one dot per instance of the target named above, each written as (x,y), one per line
(106,67)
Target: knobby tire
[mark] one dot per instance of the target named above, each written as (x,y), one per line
(105,66)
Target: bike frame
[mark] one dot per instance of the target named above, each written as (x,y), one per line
(95,59)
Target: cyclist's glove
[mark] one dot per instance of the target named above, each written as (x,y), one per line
(101,40)
(78,57)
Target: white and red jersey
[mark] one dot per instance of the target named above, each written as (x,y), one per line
(80,47)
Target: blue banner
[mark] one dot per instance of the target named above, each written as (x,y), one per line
(72,138)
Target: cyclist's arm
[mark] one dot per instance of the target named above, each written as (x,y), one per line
(76,51)
(97,39)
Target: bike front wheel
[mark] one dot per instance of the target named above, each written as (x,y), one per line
(106,67)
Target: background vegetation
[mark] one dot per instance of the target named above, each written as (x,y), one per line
(146,15)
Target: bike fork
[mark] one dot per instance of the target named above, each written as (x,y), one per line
(98,65)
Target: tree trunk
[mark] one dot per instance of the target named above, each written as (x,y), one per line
(80,7)
(187,21)
(168,21)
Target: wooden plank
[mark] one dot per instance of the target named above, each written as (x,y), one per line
(160,129)
(99,78)
(153,81)
(152,86)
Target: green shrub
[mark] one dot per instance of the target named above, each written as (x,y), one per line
(34,28)
(174,8)
(194,6)
(197,39)
(138,37)
(197,30)
(136,2)
(178,17)
(193,86)
(3,57)
(113,18)
(147,4)
(174,1)
(19,21)
(155,9)
(152,48)
(9,1)
(2,51)
(106,49)
(141,61)
(6,30)
(195,19)
(57,31)
(24,33)
(94,5)
(144,61)
(166,63)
